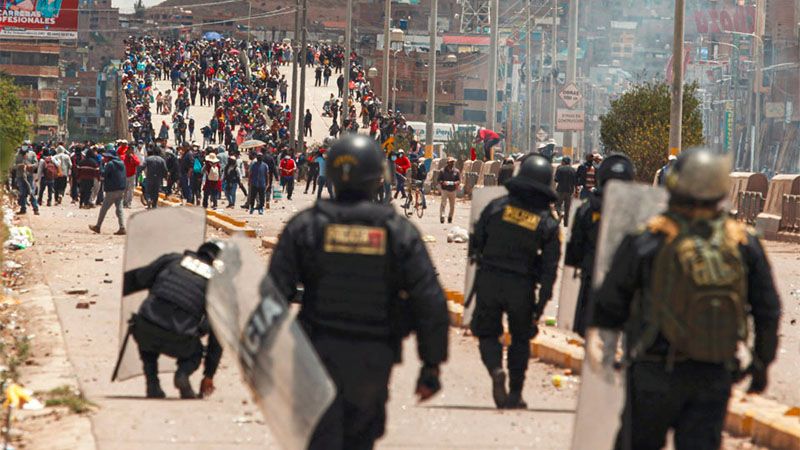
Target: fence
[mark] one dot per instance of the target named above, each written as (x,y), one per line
(750,205)
(790,213)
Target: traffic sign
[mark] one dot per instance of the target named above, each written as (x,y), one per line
(571,95)
(569,120)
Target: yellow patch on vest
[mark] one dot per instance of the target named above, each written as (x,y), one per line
(522,218)
(355,239)
(595,216)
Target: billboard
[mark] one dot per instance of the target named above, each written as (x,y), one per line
(51,19)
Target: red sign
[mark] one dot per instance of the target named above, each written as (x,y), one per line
(53,19)
(740,19)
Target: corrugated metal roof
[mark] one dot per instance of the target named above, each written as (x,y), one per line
(465,40)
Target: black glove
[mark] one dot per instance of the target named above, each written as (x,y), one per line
(428,382)
(758,377)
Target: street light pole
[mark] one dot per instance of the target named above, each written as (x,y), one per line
(293,121)
(347,50)
(553,66)
(301,109)
(572,63)
(529,77)
(387,20)
(431,105)
(394,80)
(492,106)
(676,107)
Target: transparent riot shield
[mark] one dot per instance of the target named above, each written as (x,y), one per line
(626,207)
(277,361)
(568,283)
(480,198)
(152,234)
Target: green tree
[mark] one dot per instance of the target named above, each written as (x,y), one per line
(15,126)
(638,125)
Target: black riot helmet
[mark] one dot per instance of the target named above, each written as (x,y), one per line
(535,172)
(699,176)
(355,165)
(615,167)
(210,250)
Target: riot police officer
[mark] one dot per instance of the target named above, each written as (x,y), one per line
(682,289)
(368,282)
(516,246)
(583,239)
(172,318)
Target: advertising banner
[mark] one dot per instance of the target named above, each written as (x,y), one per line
(50,19)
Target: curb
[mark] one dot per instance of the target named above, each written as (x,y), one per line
(216,219)
(765,422)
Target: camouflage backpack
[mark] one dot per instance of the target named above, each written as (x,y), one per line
(699,288)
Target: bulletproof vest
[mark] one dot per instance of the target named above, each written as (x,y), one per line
(183,284)
(514,239)
(354,292)
(699,289)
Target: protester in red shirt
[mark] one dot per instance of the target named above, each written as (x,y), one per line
(401,164)
(131,161)
(288,167)
(489,139)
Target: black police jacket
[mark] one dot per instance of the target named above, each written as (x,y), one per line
(583,239)
(518,234)
(625,292)
(365,273)
(176,299)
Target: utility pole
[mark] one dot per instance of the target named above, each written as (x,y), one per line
(492,96)
(387,20)
(676,108)
(540,93)
(293,121)
(347,50)
(755,162)
(300,117)
(572,63)
(553,66)
(431,110)
(529,77)
(249,17)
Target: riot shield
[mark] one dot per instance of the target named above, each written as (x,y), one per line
(568,283)
(480,198)
(152,234)
(277,361)
(626,206)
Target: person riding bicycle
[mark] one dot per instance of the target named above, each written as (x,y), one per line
(418,174)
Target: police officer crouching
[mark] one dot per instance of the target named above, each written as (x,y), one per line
(172,318)
(583,239)
(516,244)
(368,282)
(682,289)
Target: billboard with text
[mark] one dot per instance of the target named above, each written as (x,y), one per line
(51,19)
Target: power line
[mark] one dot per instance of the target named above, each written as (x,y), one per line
(195,25)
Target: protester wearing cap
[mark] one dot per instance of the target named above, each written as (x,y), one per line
(449,180)
(114,183)
(212,172)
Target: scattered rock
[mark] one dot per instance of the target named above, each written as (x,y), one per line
(81,305)
(107,281)
(76,291)
(98,259)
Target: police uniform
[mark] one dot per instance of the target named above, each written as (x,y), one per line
(172,319)
(580,253)
(368,282)
(668,388)
(516,244)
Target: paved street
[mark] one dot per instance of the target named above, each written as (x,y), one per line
(462,416)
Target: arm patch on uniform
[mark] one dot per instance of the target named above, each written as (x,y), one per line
(595,216)
(355,239)
(197,267)
(522,218)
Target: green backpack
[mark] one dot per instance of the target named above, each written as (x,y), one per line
(699,290)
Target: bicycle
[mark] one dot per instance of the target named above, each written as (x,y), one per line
(414,190)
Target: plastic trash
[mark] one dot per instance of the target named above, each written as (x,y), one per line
(457,235)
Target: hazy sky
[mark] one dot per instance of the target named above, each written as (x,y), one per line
(127,5)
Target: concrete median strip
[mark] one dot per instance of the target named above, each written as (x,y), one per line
(765,422)
(216,219)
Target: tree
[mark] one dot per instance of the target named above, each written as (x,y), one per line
(638,125)
(14,123)
(459,143)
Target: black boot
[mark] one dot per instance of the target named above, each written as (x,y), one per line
(499,387)
(515,400)
(154,388)
(184,385)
